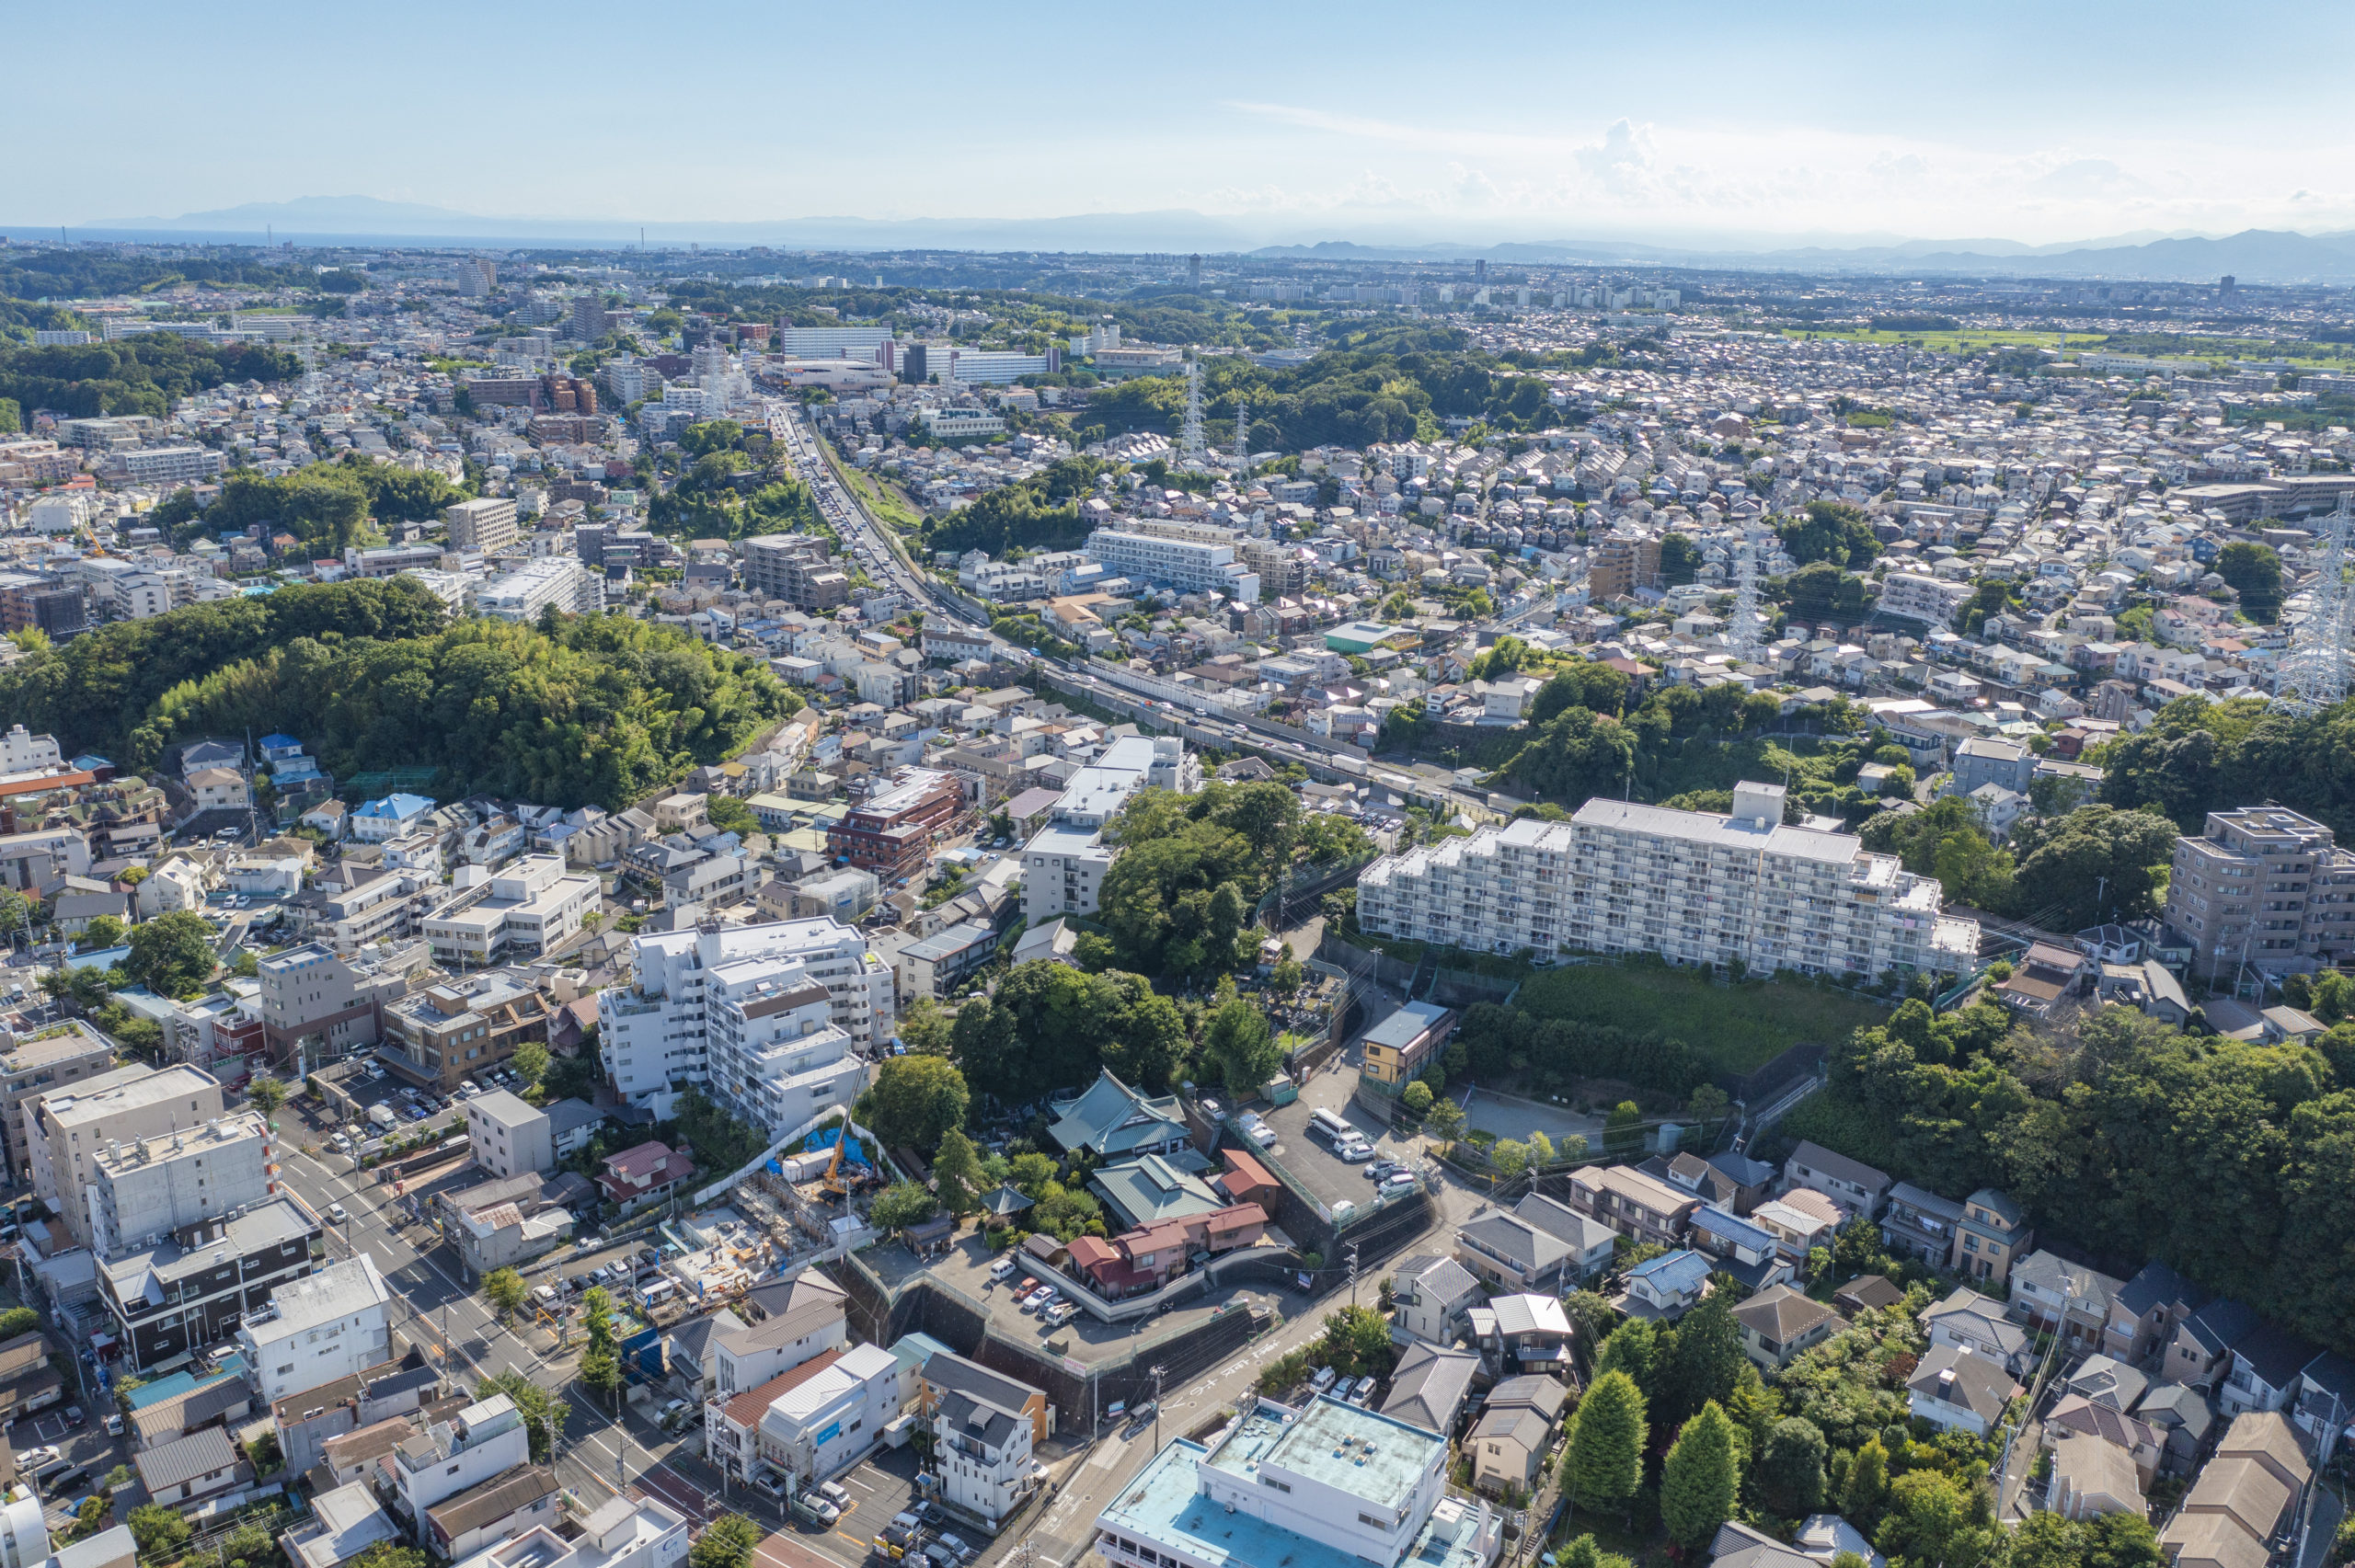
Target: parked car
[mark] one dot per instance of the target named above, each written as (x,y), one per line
(770,1482)
(1036,1299)
(1264,1136)
(33,1458)
(810,1505)
(835,1492)
(1002,1271)
(1398,1181)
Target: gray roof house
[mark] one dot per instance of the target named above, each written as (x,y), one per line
(1959,1390)
(1848,1182)
(1430,1385)
(1431,1298)
(1113,1121)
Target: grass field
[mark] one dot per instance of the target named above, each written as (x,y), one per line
(883,500)
(1740,1027)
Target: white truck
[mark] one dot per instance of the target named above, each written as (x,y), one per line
(382,1115)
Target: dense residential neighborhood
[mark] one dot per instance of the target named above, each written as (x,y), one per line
(661,906)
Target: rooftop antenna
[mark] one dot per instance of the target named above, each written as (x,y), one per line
(2312,672)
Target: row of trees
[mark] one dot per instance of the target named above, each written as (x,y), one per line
(2227,1160)
(145,374)
(1498,1040)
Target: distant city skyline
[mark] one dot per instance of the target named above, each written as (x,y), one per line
(1719,125)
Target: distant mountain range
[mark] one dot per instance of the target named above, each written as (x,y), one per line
(2253,255)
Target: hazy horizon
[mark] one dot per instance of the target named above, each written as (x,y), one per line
(1728,126)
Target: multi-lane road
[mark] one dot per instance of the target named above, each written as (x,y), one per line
(434,1306)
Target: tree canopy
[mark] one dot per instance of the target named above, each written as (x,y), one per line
(1048,1025)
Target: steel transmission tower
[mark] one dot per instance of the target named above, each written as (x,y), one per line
(2313,671)
(1747,633)
(1242,438)
(1191,453)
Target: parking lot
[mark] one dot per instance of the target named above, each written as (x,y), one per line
(880,1486)
(87,1446)
(1310,1159)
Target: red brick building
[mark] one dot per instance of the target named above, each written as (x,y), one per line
(890,833)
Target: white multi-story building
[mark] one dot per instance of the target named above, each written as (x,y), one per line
(655,1031)
(22,752)
(774,1051)
(1190,566)
(528,908)
(821,1424)
(170,464)
(557,580)
(984,1453)
(150,1188)
(1921,597)
(1330,1483)
(621,1533)
(485,1440)
(830,342)
(954,424)
(1694,887)
(1065,862)
(318,1329)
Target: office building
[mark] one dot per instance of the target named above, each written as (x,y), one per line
(1065,862)
(318,1005)
(654,1034)
(1189,565)
(557,582)
(1694,887)
(890,832)
(2264,886)
(67,1130)
(483,525)
(327,1326)
(1330,1486)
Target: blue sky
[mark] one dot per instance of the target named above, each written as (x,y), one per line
(2035,123)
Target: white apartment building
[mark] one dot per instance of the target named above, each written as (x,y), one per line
(318,1329)
(483,525)
(1923,598)
(953,424)
(1694,887)
(171,464)
(145,1190)
(656,1030)
(984,1454)
(776,1052)
(485,1439)
(526,908)
(22,752)
(1189,565)
(1065,862)
(67,1130)
(558,580)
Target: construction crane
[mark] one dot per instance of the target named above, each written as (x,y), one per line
(830,1184)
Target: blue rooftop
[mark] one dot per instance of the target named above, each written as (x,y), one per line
(280,743)
(397,806)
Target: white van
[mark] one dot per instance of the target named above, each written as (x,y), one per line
(662,1291)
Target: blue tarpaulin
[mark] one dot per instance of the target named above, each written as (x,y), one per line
(824,1138)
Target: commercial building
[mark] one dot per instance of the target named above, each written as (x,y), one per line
(891,832)
(483,525)
(823,1423)
(1694,887)
(553,582)
(1189,565)
(2265,886)
(655,1032)
(1325,1487)
(830,342)
(327,1326)
(1065,862)
(65,1130)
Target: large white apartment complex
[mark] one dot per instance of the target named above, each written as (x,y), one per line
(1182,556)
(1065,862)
(740,1035)
(1694,887)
